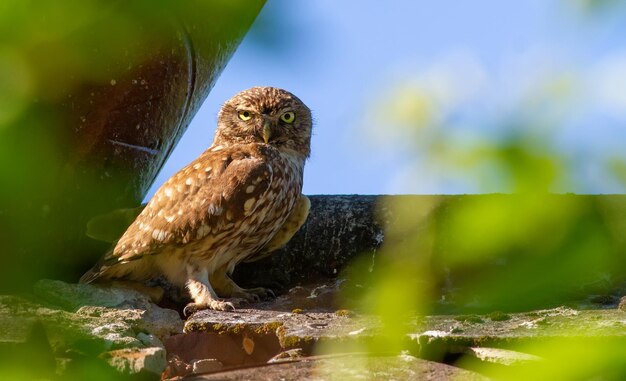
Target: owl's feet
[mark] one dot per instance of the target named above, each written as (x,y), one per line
(217,305)
(254,295)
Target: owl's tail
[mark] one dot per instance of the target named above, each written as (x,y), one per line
(99,270)
(90,275)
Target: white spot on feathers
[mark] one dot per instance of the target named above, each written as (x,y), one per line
(249,204)
(159,235)
(215,210)
(168,192)
(189,181)
(250,189)
(203,230)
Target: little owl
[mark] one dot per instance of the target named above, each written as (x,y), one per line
(238,201)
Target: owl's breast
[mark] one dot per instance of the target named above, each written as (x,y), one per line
(274,207)
(264,215)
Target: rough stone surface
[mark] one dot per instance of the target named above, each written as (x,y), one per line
(76,322)
(299,319)
(284,329)
(501,356)
(122,307)
(307,312)
(16,318)
(176,368)
(137,360)
(63,329)
(481,330)
(288,355)
(227,347)
(487,338)
(206,366)
(350,367)
(298,327)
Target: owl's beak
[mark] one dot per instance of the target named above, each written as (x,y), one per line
(267,131)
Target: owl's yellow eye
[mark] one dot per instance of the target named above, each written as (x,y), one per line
(288,117)
(245,115)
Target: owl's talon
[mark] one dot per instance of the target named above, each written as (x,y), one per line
(191,308)
(238,301)
(264,293)
(250,297)
(217,305)
(255,295)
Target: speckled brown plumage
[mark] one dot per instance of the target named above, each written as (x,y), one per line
(239,200)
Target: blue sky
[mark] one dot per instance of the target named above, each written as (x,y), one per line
(481,61)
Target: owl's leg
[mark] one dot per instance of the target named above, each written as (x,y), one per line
(203,295)
(226,287)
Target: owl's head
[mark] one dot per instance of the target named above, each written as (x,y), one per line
(266,115)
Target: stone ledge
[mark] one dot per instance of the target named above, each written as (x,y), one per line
(274,331)
(75,323)
(122,325)
(348,367)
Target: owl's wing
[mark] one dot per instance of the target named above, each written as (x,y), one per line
(290,227)
(204,198)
